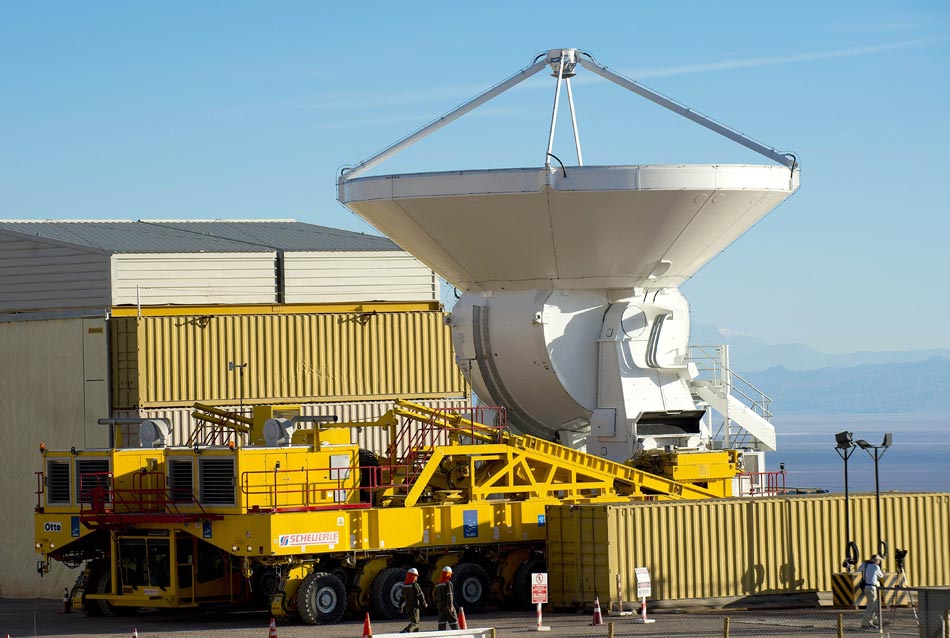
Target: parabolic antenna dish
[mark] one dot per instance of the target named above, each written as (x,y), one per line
(554,261)
(569,228)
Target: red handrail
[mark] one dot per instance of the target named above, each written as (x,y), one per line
(774,483)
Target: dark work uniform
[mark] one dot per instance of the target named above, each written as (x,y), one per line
(444,597)
(413,602)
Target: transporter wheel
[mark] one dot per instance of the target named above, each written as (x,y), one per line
(342,574)
(385,595)
(104,586)
(91,608)
(264,584)
(321,599)
(522,584)
(471,584)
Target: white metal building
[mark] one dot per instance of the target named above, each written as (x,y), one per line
(61,265)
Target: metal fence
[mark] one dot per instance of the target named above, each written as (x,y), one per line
(733,624)
(41,617)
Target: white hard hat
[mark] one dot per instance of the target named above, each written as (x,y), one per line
(413,570)
(447,569)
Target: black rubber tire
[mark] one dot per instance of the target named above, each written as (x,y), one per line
(471,584)
(369,475)
(522,584)
(321,599)
(385,595)
(91,607)
(342,574)
(264,584)
(104,586)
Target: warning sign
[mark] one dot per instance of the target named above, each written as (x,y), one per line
(539,588)
(643,582)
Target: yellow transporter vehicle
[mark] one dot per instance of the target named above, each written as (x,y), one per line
(312,525)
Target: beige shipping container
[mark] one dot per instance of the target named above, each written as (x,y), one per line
(719,551)
(169,361)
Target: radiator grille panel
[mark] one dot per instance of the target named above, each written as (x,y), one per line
(57,482)
(216,481)
(90,473)
(181,484)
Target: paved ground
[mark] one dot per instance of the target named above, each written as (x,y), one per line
(41,618)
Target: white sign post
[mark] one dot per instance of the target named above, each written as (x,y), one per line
(539,595)
(644,589)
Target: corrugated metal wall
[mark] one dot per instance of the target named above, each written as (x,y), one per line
(357,276)
(194,278)
(47,276)
(51,391)
(737,547)
(175,361)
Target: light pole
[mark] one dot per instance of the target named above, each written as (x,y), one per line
(844,446)
(240,368)
(878,452)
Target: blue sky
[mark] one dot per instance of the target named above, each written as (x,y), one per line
(248,110)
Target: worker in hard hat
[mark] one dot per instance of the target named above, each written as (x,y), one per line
(444,596)
(412,600)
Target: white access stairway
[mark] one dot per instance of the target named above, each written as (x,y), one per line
(745,409)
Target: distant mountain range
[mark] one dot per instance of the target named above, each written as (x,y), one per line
(920,387)
(749,353)
(801,379)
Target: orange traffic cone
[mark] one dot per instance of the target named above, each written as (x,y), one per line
(367,628)
(598,617)
(272,633)
(135,633)
(67,606)
(462,623)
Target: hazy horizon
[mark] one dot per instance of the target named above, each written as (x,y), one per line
(916,461)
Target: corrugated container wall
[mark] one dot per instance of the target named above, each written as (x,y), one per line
(737,547)
(300,358)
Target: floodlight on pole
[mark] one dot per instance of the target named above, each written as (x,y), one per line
(844,446)
(876,454)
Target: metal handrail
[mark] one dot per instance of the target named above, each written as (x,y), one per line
(774,483)
(40,489)
(722,375)
(100,501)
(714,362)
(439,427)
(276,488)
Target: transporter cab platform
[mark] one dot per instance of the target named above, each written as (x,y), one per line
(288,513)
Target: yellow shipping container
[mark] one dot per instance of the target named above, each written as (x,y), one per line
(734,548)
(366,353)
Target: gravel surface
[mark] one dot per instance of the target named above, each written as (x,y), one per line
(21,618)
